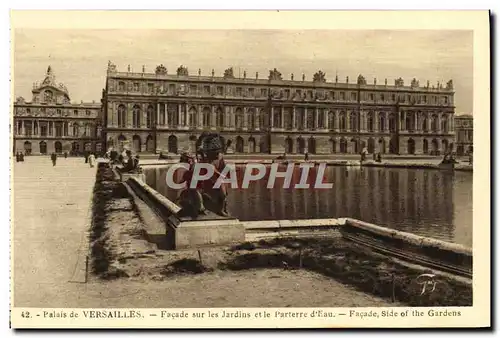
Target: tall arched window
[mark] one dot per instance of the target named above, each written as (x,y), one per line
(321,118)
(136,117)
(434,123)
(369,122)
(219,118)
(310,119)
(444,124)
(331,120)
(239,118)
(193,117)
(353,121)
(342,122)
(288,119)
(277,118)
(392,123)
(251,119)
(381,121)
(76,130)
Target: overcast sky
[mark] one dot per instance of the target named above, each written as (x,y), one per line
(79,57)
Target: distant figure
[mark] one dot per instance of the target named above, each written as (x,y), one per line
(65,154)
(306,156)
(86,157)
(379,158)
(18,158)
(53,157)
(364,152)
(21,157)
(91,160)
(470,158)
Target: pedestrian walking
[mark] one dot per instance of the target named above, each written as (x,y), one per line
(53,157)
(91,160)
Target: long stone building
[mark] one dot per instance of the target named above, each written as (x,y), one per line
(167,112)
(51,123)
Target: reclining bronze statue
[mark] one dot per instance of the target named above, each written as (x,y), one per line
(195,201)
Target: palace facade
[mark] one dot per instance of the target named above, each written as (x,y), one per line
(167,112)
(51,123)
(464,125)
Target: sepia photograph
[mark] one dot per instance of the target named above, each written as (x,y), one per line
(221,176)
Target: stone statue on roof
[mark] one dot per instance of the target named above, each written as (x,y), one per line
(319,76)
(182,71)
(229,73)
(275,75)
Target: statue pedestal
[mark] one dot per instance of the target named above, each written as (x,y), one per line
(186,232)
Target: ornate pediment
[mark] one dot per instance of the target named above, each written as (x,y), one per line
(229,73)
(449,85)
(319,76)
(182,71)
(20,99)
(275,75)
(399,82)
(415,83)
(161,70)
(361,80)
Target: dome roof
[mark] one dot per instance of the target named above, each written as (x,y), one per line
(50,81)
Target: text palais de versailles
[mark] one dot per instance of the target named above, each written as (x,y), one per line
(158,111)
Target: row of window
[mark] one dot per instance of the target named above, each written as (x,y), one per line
(303,120)
(284,94)
(57,129)
(60,112)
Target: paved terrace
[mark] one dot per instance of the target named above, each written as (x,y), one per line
(50,219)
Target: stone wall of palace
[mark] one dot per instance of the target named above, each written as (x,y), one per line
(151,112)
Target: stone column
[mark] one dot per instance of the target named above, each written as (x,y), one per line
(245,119)
(200,116)
(348,120)
(316,118)
(157,114)
(144,114)
(187,116)
(439,123)
(213,119)
(179,115)
(272,117)
(336,120)
(282,117)
(22,127)
(294,124)
(166,115)
(325,119)
(386,122)
(130,115)
(32,127)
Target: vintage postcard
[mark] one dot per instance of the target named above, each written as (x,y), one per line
(236,169)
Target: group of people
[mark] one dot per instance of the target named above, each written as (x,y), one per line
(19,157)
(127,161)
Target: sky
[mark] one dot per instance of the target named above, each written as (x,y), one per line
(79,58)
